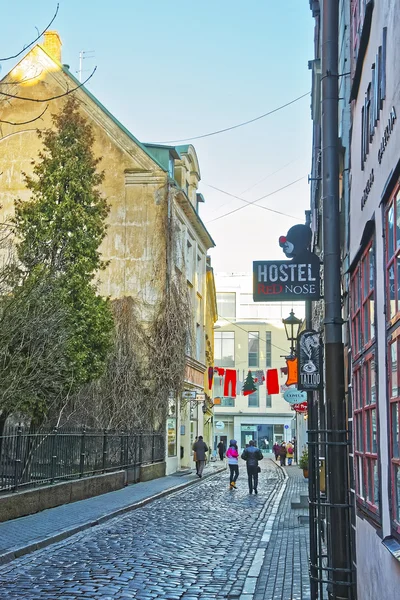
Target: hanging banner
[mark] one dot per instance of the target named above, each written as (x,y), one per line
(309,354)
(297,279)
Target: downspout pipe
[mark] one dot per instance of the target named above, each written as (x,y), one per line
(338,513)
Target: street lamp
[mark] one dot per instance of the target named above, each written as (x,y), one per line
(292,326)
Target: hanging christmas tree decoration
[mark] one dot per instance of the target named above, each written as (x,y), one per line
(249,386)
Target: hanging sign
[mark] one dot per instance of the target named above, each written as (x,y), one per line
(188,395)
(297,279)
(294,396)
(300,408)
(309,353)
(219,425)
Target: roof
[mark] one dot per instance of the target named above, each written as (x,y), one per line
(66,70)
(77,83)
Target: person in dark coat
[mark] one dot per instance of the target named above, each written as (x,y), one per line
(276,449)
(282,454)
(252,455)
(200,447)
(221,450)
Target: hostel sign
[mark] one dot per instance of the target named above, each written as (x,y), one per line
(296,279)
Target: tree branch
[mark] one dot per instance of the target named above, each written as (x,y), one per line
(53,97)
(25,122)
(35,40)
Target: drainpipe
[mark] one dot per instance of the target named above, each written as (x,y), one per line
(338,523)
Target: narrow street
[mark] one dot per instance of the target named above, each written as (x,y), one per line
(201,543)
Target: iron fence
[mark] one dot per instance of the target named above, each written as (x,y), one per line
(31,459)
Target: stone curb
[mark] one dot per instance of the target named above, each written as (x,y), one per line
(14,553)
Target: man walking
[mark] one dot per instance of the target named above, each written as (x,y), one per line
(200,447)
(252,455)
(221,450)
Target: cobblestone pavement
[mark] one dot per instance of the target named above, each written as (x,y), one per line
(26,534)
(284,574)
(201,543)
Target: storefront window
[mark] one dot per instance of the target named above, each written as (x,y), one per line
(392,251)
(362,292)
(171,428)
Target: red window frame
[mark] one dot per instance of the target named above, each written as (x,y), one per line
(365,409)
(392,271)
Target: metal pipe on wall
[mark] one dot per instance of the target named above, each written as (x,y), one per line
(338,532)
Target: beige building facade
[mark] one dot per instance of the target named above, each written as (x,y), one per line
(154,228)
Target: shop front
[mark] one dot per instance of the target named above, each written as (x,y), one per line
(265,431)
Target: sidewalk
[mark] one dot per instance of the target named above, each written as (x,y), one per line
(285,569)
(27,534)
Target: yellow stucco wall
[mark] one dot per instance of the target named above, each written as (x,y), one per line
(134,185)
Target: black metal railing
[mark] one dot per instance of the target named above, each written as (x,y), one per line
(31,459)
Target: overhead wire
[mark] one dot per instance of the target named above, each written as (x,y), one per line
(204,135)
(245,330)
(268,176)
(253,202)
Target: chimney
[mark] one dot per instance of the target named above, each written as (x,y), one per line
(52,44)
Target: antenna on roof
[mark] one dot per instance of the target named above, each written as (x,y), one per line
(82,55)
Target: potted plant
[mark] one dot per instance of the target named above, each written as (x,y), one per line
(303,462)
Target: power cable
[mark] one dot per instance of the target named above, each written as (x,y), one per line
(198,137)
(268,176)
(245,330)
(253,202)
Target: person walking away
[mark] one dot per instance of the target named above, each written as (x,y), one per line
(200,447)
(221,450)
(275,449)
(232,454)
(289,453)
(252,455)
(194,453)
(282,454)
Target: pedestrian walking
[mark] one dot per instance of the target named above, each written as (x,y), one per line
(275,449)
(194,453)
(200,447)
(232,454)
(252,455)
(289,453)
(221,450)
(282,454)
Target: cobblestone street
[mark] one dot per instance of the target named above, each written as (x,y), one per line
(200,543)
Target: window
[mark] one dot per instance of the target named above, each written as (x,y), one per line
(189,258)
(253,348)
(268,350)
(199,329)
(227,401)
(362,304)
(254,399)
(224,349)
(269,401)
(226,303)
(200,272)
(171,428)
(392,227)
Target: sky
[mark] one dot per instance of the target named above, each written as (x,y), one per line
(174,70)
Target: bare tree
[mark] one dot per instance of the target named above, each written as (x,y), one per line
(6,87)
